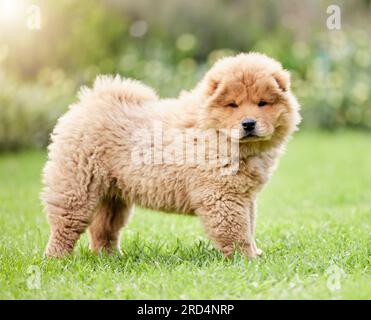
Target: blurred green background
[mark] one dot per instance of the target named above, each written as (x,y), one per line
(169,44)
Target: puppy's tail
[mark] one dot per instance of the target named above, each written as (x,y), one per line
(118,90)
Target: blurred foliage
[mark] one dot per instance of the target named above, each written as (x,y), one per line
(169,44)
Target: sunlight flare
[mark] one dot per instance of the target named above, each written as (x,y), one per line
(10,10)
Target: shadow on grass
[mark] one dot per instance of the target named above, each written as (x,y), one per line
(148,255)
(160,252)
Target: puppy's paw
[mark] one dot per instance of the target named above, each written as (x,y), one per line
(55,253)
(108,250)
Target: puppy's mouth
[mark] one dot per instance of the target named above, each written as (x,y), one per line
(252,137)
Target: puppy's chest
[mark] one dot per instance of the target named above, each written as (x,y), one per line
(254,173)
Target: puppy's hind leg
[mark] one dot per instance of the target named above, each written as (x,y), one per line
(67,223)
(104,231)
(70,196)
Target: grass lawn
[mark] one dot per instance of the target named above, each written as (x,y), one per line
(313,225)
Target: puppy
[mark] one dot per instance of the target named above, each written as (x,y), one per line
(99,164)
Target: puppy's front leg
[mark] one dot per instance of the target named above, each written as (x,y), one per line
(252,213)
(228,225)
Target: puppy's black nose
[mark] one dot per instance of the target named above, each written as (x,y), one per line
(248,125)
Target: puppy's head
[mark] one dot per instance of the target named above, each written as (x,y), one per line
(250,93)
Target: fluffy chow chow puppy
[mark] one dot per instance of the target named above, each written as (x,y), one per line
(208,153)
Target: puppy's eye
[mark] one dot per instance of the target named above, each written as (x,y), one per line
(262,103)
(232,105)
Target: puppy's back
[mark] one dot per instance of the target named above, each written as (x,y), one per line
(117,90)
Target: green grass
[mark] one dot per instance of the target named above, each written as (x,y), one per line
(314,214)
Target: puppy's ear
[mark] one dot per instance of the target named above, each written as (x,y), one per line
(212,85)
(282,78)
